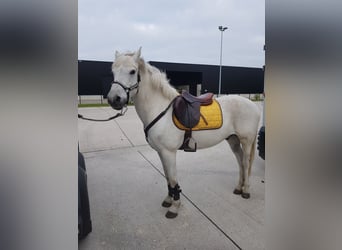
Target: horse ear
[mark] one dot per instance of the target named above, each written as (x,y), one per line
(141,64)
(117,54)
(137,54)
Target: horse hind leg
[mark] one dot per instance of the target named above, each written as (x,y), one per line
(234,143)
(248,157)
(251,158)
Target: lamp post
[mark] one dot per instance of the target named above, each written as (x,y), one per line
(222,29)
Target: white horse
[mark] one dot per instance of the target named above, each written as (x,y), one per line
(152,94)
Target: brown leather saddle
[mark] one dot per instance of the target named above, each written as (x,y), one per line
(186,108)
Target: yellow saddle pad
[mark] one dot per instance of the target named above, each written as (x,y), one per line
(211,118)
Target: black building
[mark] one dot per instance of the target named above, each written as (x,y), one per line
(95,77)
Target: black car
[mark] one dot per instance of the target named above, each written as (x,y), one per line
(261,142)
(84,220)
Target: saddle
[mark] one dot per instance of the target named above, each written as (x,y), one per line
(186,108)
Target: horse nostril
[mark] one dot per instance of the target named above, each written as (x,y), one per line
(118,99)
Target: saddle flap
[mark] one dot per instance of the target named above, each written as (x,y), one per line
(188,113)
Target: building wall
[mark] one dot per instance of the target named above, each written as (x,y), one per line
(94,78)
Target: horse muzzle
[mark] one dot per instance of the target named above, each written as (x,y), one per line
(117,102)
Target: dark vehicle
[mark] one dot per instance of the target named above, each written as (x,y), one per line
(261,142)
(84,220)
(261,136)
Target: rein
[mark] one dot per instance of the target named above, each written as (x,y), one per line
(123,111)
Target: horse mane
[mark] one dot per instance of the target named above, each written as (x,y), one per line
(129,54)
(158,79)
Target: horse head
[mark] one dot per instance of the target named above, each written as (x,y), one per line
(126,78)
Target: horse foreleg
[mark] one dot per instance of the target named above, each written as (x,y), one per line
(173,209)
(168,159)
(167,202)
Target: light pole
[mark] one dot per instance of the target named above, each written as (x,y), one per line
(221,28)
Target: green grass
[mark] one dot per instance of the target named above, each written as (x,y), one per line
(257,98)
(96,105)
(92,105)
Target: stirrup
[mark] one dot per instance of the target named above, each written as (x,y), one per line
(187,148)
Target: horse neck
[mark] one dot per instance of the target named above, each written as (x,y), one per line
(150,101)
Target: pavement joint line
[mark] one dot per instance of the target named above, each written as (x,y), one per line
(124,133)
(113,149)
(103,150)
(191,202)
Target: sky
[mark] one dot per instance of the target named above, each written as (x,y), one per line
(183,31)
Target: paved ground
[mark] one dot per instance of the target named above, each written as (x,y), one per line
(126,188)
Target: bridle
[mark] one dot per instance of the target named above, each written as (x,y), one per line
(124,108)
(128,89)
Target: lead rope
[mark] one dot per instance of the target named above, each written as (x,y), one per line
(121,113)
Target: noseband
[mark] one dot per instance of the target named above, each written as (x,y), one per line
(128,89)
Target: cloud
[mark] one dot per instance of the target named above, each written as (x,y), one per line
(175,31)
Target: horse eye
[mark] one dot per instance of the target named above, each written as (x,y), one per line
(132,72)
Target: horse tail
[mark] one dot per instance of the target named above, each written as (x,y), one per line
(251,159)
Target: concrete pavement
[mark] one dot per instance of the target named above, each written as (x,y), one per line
(126,188)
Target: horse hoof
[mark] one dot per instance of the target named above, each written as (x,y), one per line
(245,195)
(170,215)
(237,191)
(166,204)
